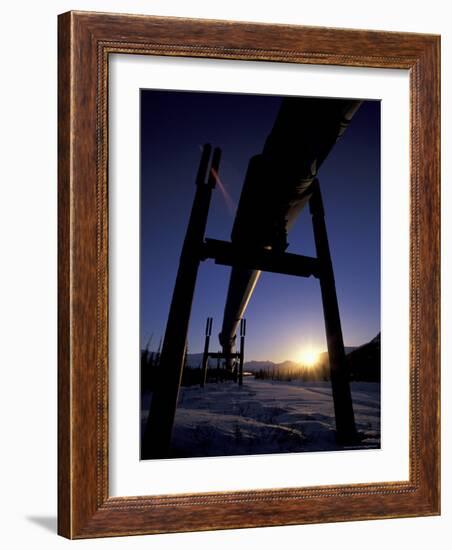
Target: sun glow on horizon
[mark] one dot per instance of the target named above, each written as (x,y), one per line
(308,357)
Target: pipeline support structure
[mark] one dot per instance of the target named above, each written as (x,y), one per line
(279,183)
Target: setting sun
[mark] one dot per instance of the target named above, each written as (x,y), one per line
(308,357)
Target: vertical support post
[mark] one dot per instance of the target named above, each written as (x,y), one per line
(205,356)
(157,435)
(217,374)
(343,406)
(242,349)
(223,369)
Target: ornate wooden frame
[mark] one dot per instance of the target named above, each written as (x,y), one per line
(85,42)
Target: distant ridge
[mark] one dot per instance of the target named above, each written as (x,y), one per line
(253,366)
(363,361)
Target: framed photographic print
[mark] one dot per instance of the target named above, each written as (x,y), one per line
(248,275)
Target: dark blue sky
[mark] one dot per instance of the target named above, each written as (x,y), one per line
(285,313)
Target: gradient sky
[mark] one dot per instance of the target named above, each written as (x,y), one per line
(285,313)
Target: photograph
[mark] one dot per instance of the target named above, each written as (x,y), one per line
(248,284)
(259,274)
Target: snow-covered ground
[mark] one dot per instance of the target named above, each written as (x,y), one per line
(267,417)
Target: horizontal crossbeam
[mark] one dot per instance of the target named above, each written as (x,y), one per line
(226,253)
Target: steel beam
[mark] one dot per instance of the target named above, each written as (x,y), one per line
(227,253)
(157,435)
(343,406)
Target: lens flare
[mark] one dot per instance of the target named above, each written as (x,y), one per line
(230,204)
